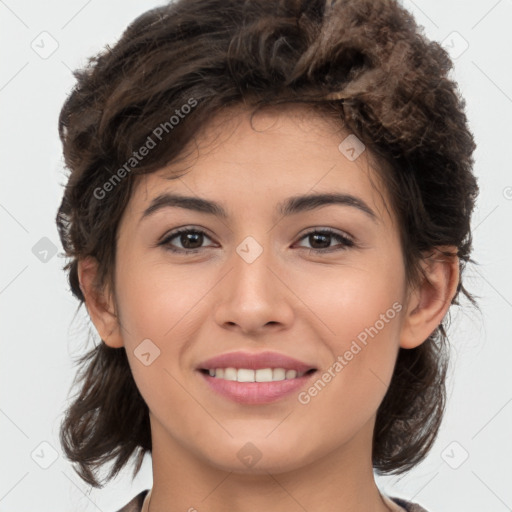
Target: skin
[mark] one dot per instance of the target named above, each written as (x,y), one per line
(311,306)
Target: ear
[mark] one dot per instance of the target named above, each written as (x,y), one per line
(99,303)
(429,302)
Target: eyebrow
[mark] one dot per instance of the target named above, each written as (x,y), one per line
(290,206)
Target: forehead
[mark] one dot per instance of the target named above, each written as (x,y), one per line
(279,152)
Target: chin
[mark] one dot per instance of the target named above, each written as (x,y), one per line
(259,457)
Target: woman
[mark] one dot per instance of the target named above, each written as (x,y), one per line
(268,218)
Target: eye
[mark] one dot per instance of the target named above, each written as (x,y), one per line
(190,239)
(323,237)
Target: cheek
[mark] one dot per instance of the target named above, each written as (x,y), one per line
(349,389)
(154,302)
(155,312)
(361,311)
(352,302)
(368,317)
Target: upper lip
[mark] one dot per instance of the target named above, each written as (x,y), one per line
(255,361)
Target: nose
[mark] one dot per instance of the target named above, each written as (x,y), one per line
(253,297)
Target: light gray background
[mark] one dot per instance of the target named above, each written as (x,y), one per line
(40,334)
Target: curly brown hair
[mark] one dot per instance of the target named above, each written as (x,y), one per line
(364,63)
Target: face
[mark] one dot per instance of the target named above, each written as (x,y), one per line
(317,283)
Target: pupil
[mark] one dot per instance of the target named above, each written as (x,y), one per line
(186,238)
(316,236)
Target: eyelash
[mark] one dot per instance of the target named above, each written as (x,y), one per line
(345,240)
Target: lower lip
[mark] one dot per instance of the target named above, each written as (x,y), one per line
(256,392)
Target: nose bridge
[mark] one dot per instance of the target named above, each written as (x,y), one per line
(252,261)
(251,295)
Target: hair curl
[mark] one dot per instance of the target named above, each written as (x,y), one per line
(364,63)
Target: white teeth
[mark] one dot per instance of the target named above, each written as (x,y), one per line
(263,375)
(291,374)
(230,374)
(248,375)
(245,375)
(278,374)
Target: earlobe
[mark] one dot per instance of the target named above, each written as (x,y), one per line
(430,301)
(99,303)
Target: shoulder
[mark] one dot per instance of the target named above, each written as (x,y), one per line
(135,505)
(408,506)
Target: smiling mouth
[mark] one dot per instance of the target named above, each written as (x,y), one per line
(260,375)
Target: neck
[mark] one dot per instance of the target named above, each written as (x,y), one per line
(341,480)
